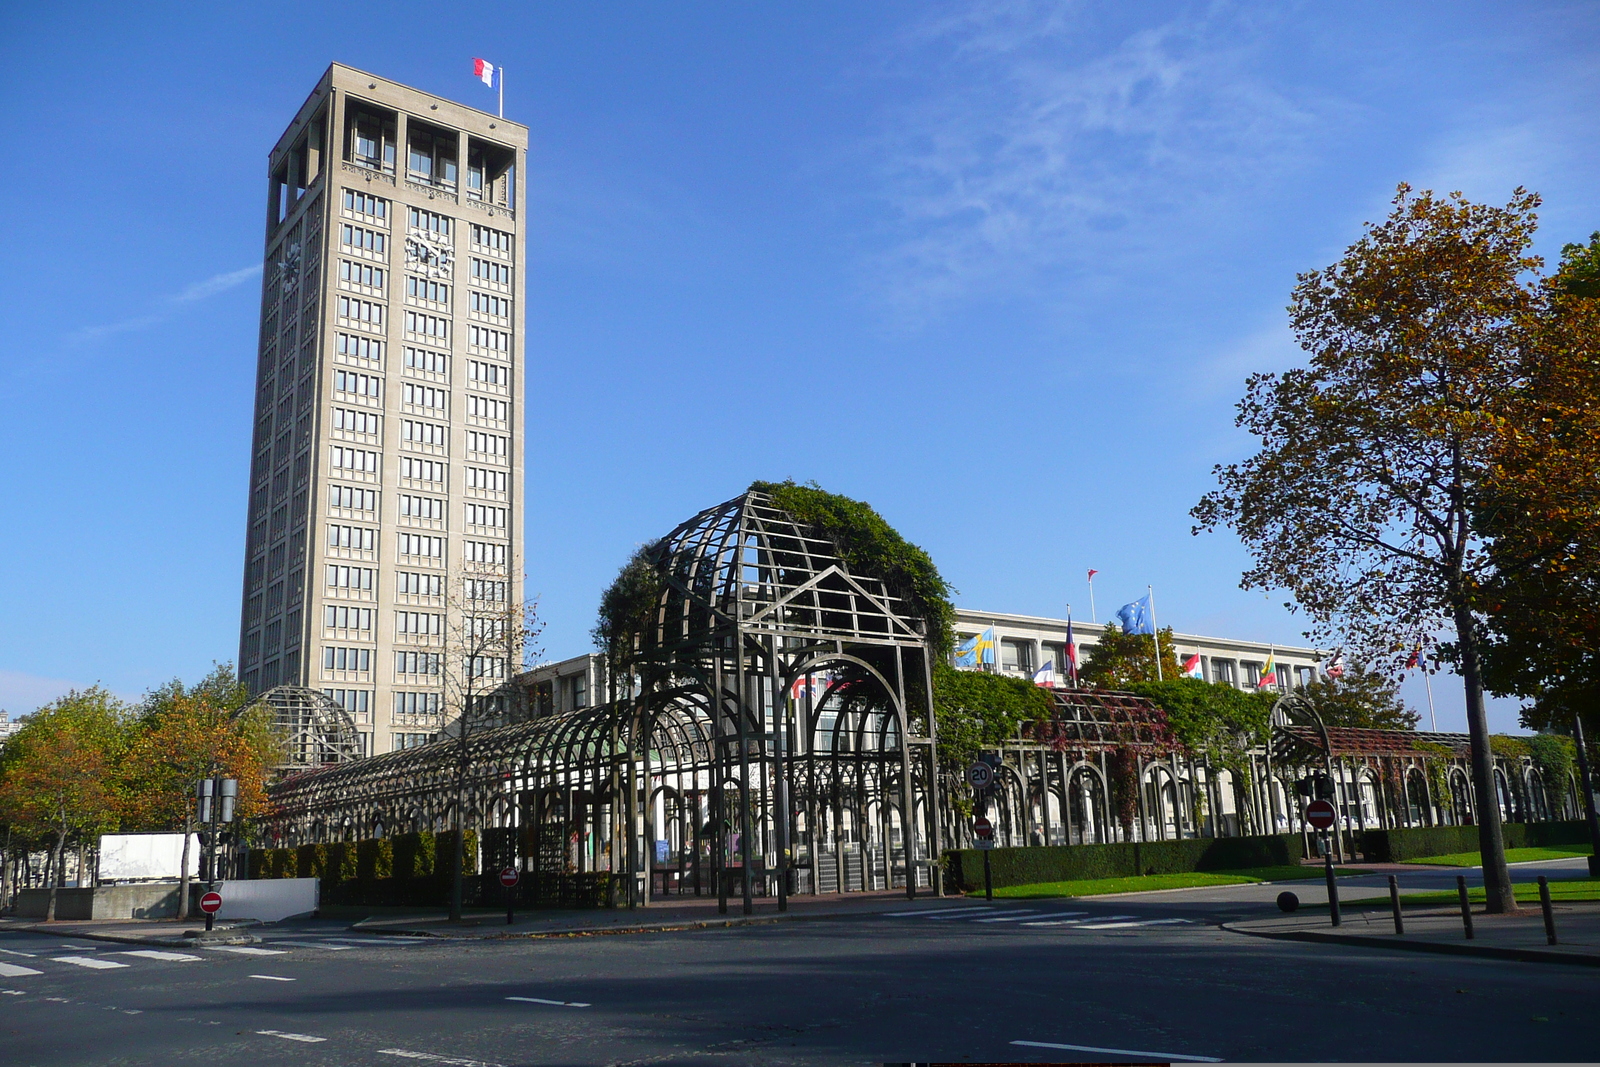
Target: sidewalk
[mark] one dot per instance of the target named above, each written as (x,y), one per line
(1439,929)
(167,932)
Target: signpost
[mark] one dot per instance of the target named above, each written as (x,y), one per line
(1323,815)
(509,878)
(216,796)
(211,903)
(983,833)
(980,776)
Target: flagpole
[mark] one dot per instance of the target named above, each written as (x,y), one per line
(1432,719)
(1092,616)
(1155,629)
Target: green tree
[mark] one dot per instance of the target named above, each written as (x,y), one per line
(56,780)
(1121,660)
(1358,500)
(1363,699)
(976,710)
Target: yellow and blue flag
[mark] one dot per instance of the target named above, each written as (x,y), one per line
(977,651)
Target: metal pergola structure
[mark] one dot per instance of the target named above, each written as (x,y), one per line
(772,733)
(316,731)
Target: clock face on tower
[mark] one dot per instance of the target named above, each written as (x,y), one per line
(289,265)
(434,260)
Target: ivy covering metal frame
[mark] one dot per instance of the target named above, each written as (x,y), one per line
(771,722)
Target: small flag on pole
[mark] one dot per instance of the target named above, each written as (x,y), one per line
(1042,677)
(1335,667)
(1191,668)
(1269,674)
(484,71)
(977,651)
(1070,654)
(1137,617)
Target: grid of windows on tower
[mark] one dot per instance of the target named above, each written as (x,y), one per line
(421,545)
(360,237)
(485,589)
(487,270)
(484,237)
(366,204)
(350,345)
(485,667)
(422,470)
(354,459)
(424,360)
(418,662)
(355,701)
(343,577)
(488,304)
(421,507)
(405,741)
(427,289)
(424,396)
(412,583)
(416,703)
(482,407)
(487,443)
(339,617)
(488,373)
(429,222)
(362,422)
(367,311)
(486,480)
(359,538)
(420,623)
(485,552)
(351,498)
(361,273)
(483,337)
(348,381)
(485,515)
(346,659)
(434,326)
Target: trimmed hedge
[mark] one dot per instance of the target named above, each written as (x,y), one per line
(409,869)
(1396,846)
(1063,863)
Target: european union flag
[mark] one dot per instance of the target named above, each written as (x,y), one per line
(1137,617)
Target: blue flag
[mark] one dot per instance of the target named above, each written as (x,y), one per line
(1137,618)
(977,651)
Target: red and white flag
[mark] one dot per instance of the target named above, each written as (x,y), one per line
(485,72)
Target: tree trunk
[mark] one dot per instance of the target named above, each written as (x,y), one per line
(1498,894)
(183,876)
(57,859)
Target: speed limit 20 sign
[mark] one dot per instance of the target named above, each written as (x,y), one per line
(980,775)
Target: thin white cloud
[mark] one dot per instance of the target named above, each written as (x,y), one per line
(1048,156)
(168,306)
(22,694)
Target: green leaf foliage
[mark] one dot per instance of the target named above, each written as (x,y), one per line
(977,710)
(1210,719)
(1122,660)
(1363,699)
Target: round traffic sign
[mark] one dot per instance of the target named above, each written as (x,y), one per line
(509,877)
(211,903)
(1321,814)
(982,827)
(979,775)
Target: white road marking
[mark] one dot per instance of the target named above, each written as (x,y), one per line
(930,911)
(312,944)
(1014,917)
(88,961)
(10,952)
(14,992)
(1121,1052)
(12,970)
(245,950)
(272,977)
(431,1058)
(153,954)
(1120,926)
(557,1003)
(292,1037)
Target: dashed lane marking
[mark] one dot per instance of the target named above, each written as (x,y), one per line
(88,961)
(14,992)
(407,1054)
(1125,925)
(272,977)
(1121,1052)
(557,1003)
(307,1038)
(12,952)
(154,954)
(246,950)
(1014,917)
(1079,923)
(12,970)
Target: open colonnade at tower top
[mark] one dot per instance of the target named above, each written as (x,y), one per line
(772,725)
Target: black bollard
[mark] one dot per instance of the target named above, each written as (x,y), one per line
(1394,902)
(1549,913)
(1466,904)
(1333,888)
(988,879)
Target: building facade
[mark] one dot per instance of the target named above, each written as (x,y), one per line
(386,470)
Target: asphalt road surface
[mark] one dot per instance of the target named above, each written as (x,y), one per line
(1120,980)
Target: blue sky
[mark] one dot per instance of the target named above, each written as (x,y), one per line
(999,269)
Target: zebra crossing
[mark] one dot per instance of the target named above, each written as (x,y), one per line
(1011,918)
(71,959)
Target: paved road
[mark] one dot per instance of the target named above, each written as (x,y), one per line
(920,982)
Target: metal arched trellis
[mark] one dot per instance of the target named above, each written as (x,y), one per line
(317,732)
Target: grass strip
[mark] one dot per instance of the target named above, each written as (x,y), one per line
(1526,892)
(1090,887)
(1513,855)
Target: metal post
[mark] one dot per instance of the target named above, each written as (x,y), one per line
(1333,887)
(1394,902)
(1466,905)
(1588,796)
(1549,913)
(988,878)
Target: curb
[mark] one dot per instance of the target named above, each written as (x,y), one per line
(120,939)
(1448,948)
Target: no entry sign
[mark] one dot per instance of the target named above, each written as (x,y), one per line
(210,903)
(1321,814)
(509,877)
(982,827)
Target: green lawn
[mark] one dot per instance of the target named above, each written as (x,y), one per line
(1513,855)
(1527,893)
(1089,887)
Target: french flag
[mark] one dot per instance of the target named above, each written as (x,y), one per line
(485,72)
